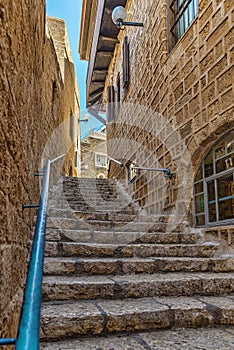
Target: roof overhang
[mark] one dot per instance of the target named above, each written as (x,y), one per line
(102,51)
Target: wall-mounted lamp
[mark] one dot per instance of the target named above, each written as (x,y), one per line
(85,120)
(119,16)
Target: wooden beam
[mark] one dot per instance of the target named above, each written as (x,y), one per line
(105,53)
(97,28)
(100,71)
(95,94)
(107,38)
(97,83)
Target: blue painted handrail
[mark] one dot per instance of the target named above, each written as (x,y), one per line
(10,341)
(28,337)
(29,327)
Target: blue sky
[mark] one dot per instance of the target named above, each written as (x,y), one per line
(70,12)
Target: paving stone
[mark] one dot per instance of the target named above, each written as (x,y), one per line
(132,315)
(59,320)
(190,339)
(104,343)
(65,288)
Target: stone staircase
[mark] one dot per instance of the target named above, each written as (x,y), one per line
(116,279)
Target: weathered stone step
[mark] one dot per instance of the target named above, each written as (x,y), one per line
(136,286)
(129,250)
(98,216)
(89,207)
(62,320)
(89,236)
(103,266)
(139,224)
(215,338)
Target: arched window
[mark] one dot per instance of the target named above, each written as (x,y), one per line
(214,185)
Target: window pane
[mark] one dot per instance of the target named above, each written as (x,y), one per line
(199,203)
(226,197)
(220,150)
(230,143)
(211,201)
(199,187)
(209,169)
(225,163)
(212,212)
(186,18)
(199,175)
(211,191)
(100,160)
(200,220)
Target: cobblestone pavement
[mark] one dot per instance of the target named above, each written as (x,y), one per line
(183,339)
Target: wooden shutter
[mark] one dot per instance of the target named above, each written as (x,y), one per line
(126,65)
(110,105)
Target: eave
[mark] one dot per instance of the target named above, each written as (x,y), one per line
(102,50)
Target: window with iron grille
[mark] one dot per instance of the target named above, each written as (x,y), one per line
(100,160)
(181,13)
(110,104)
(126,63)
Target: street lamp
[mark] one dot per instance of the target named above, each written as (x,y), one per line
(119,16)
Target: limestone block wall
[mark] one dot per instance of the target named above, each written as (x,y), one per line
(89,147)
(178,103)
(34,101)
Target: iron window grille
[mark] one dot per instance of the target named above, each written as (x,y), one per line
(181,14)
(100,160)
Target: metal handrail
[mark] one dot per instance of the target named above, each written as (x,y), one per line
(116,161)
(28,337)
(165,170)
(57,158)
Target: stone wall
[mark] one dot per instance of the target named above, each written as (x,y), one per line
(34,101)
(177,104)
(95,143)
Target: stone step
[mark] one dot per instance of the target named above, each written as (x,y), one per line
(129,250)
(139,224)
(97,216)
(89,236)
(102,266)
(62,320)
(136,286)
(215,338)
(90,206)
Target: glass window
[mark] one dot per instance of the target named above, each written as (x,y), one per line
(200,220)
(214,188)
(199,175)
(199,200)
(226,197)
(199,187)
(100,160)
(208,164)
(225,163)
(181,13)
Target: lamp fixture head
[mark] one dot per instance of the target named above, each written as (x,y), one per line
(119,16)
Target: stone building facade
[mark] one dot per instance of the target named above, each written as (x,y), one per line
(94,155)
(169,93)
(38,94)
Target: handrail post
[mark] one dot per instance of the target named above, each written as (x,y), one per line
(29,327)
